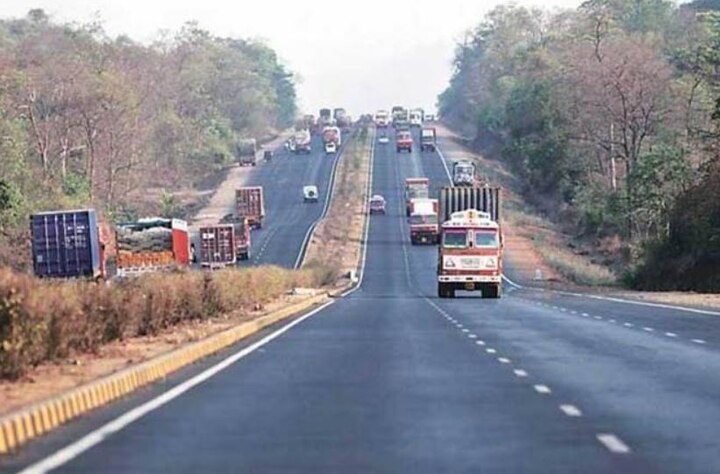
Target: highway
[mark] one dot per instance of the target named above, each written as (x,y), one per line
(391,379)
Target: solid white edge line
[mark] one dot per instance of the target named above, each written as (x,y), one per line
(613,443)
(71,451)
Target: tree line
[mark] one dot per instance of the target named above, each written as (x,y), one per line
(86,119)
(609,115)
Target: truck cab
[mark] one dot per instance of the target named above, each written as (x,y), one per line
(470,256)
(423,221)
(416,118)
(428,139)
(404,141)
(382,119)
(246,152)
(415,188)
(463,173)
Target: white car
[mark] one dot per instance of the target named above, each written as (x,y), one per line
(330,147)
(310,193)
(384,139)
(376,205)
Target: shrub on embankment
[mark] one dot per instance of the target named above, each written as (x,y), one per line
(42,320)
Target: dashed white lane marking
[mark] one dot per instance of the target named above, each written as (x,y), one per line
(465,330)
(585,315)
(520,373)
(573,312)
(670,334)
(613,443)
(490,350)
(599,318)
(699,341)
(612,321)
(648,329)
(628,325)
(564,310)
(544,389)
(570,410)
(480,343)
(503,360)
(472,336)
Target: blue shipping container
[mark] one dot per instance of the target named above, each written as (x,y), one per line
(65,244)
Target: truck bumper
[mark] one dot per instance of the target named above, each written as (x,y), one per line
(462,279)
(424,238)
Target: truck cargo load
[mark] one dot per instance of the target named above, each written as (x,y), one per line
(428,138)
(66,244)
(243,238)
(249,203)
(423,221)
(217,246)
(150,245)
(471,255)
(246,152)
(415,188)
(455,199)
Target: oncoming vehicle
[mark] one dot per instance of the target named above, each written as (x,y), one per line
(384,140)
(470,256)
(330,148)
(310,193)
(377,204)
(382,119)
(404,141)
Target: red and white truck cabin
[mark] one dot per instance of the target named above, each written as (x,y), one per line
(470,256)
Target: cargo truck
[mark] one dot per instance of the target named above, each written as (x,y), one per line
(403,141)
(428,139)
(463,173)
(217,246)
(342,120)
(67,244)
(302,142)
(325,118)
(246,152)
(416,118)
(250,204)
(415,188)
(241,234)
(332,134)
(471,242)
(423,221)
(382,119)
(151,245)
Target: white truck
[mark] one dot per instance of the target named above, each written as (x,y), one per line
(423,221)
(463,173)
(416,118)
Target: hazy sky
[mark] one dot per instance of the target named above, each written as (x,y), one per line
(361,55)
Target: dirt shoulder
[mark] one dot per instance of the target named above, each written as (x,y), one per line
(536,247)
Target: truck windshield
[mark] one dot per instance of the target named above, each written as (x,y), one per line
(455,239)
(417,192)
(423,219)
(486,239)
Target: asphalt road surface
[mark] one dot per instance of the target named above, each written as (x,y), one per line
(390,379)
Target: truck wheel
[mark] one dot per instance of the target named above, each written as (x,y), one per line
(410,150)
(413,241)
(441,291)
(398,150)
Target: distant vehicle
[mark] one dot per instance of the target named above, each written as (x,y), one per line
(310,193)
(415,188)
(67,244)
(267,155)
(303,142)
(382,119)
(330,148)
(384,139)
(401,119)
(217,246)
(416,118)
(423,221)
(247,151)
(463,173)
(250,204)
(471,249)
(428,139)
(403,141)
(377,204)
(332,134)
(342,119)
(243,240)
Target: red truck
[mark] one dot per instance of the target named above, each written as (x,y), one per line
(471,249)
(249,203)
(241,234)
(423,221)
(415,188)
(404,141)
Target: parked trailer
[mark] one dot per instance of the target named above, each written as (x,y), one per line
(249,203)
(66,244)
(217,246)
(247,151)
(455,199)
(151,245)
(243,240)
